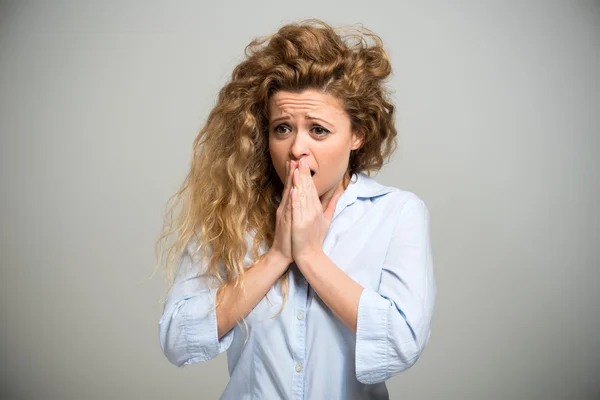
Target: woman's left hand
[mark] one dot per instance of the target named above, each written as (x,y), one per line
(310,223)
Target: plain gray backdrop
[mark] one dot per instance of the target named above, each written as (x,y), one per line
(499,129)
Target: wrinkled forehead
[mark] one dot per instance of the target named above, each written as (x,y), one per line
(308,102)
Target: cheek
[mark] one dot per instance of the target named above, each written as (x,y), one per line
(277,152)
(335,158)
(333,164)
(278,159)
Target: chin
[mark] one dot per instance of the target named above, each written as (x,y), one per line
(322,192)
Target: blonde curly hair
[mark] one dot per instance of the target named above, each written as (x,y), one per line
(232,187)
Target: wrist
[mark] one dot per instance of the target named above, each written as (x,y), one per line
(278,259)
(308,258)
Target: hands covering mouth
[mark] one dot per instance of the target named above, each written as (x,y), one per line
(301,221)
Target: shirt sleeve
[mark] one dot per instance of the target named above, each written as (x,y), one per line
(188,326)
(393,324)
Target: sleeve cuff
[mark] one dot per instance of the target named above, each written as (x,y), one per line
(371,338)
(200,332)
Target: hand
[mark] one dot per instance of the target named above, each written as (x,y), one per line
(310,223)
(282,241)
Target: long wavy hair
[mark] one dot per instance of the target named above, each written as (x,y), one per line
(232,188)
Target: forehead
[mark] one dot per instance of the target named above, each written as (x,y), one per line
(284,102)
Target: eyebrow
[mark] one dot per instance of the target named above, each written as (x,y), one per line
(286,117)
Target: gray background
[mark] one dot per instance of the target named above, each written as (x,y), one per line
(499,126)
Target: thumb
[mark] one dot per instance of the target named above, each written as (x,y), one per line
(328,214)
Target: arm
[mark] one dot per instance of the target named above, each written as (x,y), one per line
(236,303)
(393,324)
(340,292)
(309,226)
(191,329)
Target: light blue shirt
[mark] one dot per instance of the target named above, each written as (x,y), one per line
(379,236)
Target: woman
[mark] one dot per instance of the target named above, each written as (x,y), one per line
(316,279)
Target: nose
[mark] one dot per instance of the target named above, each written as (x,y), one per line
(300,146)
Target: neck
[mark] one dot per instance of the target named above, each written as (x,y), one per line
(339,188)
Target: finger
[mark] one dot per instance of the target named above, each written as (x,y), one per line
(288,182)
(299,201)
(288,188)
(288,205)
(296,182)
(309,187)
(307,181)
(296,207)
(311,192)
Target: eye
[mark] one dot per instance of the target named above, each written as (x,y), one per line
(320,131)
(281,129)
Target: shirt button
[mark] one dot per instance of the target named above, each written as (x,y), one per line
(298,367)
(300,316)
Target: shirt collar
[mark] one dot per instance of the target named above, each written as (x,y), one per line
(361,186)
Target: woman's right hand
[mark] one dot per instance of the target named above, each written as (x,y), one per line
(282,242)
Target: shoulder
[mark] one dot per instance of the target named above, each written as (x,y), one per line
(407,213)
(369,188)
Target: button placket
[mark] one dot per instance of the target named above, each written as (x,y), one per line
(300,304)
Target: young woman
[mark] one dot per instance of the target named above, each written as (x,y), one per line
(316,279)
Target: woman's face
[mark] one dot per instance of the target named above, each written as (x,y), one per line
(313,126)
